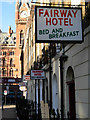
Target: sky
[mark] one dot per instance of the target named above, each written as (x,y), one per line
(7,13)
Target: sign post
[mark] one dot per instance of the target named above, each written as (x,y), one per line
(5,93)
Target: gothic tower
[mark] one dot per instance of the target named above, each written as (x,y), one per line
(22,11)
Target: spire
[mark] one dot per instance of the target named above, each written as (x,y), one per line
(17,1)
(17,4)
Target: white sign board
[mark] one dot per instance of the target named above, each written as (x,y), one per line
(37,74)
(56,24)
(26,77)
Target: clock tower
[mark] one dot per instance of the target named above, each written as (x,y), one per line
(22,11)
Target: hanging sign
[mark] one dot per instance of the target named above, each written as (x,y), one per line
(37,74)
(56,24)
(26,77)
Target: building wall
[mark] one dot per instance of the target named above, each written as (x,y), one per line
(78,59)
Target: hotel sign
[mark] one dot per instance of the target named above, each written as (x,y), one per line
(57,24)
(37,74)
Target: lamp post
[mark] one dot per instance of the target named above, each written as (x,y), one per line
(62,59)
(50,78)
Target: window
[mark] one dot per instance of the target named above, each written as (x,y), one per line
(11,62)
(4,53)
(21,37)
(4,61)
(11,53)
(11,72)
(3,72)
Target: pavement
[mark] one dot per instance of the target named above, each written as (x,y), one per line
(9,112)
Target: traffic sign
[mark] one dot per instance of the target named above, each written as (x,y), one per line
(5,92)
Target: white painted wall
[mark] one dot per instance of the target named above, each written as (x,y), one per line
(78,58)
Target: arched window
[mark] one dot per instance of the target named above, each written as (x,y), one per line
(4,61)
(11,62)
(11,72)
(21,37)
(3,72)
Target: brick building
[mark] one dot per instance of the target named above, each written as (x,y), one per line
(8,65)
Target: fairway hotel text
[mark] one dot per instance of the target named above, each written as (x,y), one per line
(53,17)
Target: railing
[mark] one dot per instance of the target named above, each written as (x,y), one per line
(26,110)
(86,21)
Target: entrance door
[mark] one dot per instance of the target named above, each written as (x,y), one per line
(72,101)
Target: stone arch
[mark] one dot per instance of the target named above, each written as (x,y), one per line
(55,92)
(70,74)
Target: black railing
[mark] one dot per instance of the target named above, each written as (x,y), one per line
(26,110)
(86,21)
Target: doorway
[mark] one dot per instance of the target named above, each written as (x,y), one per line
(71,93)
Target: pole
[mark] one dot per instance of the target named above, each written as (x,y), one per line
(39,99)
(50,79)
(63,58)
(61,77)
(35,81)
(5,99)
(43,91)
(35,97)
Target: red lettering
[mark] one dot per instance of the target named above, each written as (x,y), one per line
(48,21)
(54,21)
(40,12)
(70,22)
(60,20)
(56,13)
(46,13)
(63,13)
(66,21)
(69,14)
(74,13)
(51,13)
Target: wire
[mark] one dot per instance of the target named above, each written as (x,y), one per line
(57,4)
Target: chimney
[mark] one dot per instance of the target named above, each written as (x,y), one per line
(10,31)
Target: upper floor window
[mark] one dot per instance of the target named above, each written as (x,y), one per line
(3,72)
(4,61)
(21,37)
(11,53)
(11,62)
(4,52)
